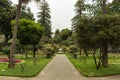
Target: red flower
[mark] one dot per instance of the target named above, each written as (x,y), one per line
(7,60)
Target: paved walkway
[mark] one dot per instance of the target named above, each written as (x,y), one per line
(61,69)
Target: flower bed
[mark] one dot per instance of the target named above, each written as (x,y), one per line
(6,60)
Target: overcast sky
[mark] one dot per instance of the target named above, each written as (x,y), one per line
(62,11)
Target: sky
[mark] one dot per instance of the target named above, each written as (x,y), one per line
(62,11)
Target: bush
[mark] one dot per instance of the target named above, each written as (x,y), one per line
(65,43)
(65,49)
(55,48)
(6,50)
(49,52)
(73,50)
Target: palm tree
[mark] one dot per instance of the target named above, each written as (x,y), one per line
(12,48)
(80,6)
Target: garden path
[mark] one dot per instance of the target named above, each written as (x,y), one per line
(60,68)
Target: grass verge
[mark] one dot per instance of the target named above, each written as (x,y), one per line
(28,69)
(86,66)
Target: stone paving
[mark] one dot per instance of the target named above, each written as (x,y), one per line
(60,68)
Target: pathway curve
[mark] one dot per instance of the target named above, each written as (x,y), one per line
(60,68)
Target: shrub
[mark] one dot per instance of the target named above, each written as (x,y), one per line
(65,49)
(65,43)
(6,50)
(73,50)
(49,52)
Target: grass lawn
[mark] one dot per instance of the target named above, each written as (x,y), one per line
(87,67)
(29,68)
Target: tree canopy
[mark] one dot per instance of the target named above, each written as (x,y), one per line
(44,19)
(29,32)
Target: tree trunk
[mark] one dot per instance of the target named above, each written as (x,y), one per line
(12,49)
(34,51)
(6,40)
(95,61)
(105,47)
(85,51)
(104,7)
(80,51)
(26,51)
(105,56)
(26,55)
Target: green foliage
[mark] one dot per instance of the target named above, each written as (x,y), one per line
(55,47)
(26,13)
(73,49)
(57,36)
(106,29)
(29,33)
(94,32)
(98,32)
(29,69)
(83,31)
(80,6)
(65,43)
(44,19)
(5,12)
(87,67)
(63,37)
(65,49)
(6,50)
(114,7)
(5,18)
(74,38)
(49,52)
(95,8)
(65,34)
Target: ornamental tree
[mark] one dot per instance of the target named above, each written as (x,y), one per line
(29,33)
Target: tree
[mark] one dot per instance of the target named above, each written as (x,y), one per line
(104,49)
(12,49)
(113,8)
(101,10)
(57,36)
(73,50)
(104,7)
(99,32)
(65,34)
(26,13)
(97,7)
(8,14)
(44,19)
(82,30)
(5,18)
(94,8)
(29,33)
(65,37)
(108,34)
(80,6)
